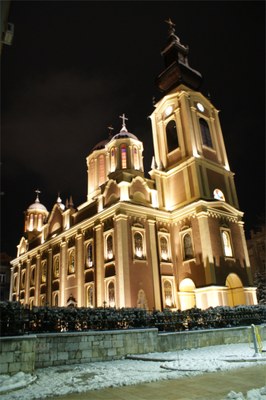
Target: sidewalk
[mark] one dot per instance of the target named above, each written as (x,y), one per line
(210,386)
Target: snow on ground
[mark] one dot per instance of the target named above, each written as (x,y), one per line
(55,381)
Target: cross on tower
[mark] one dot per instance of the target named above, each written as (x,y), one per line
(124,118)
(171,25)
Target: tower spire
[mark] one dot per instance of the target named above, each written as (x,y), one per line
(177,70)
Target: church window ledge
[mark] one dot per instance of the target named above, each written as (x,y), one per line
(204,146)
(166,262)
(139,260)
(71,275)
(188,260)
(108,262)
(230,259)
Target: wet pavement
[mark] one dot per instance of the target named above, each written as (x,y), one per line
(209,386)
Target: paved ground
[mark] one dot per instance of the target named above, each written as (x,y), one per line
(210,386)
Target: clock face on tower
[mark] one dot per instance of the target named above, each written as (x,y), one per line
(200,107)
(218,194)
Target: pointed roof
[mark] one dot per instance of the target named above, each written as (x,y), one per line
(177,70)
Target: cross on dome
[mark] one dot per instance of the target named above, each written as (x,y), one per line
(124,118)
(37,191)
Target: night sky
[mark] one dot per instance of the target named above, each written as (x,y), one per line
(74,67)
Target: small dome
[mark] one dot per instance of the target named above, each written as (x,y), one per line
(100,145)
(124,134)
(37,206)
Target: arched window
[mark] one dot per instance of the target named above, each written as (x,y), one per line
(135,157)
(32,276)
(168,294)
(44,271)
(123,156)
(23,279)
(138,244)
(15,283)
(218,194)
(111,294)
(56,267)
(92,175)
(71,265)
(109,247)
(164,248)
(90,296)
(56,300)
(205,133)
(172,136)
(31,222)
(187,245)
(101,169)
(89,261)
(40,220)
(42,300)
(227,244)
(112,159)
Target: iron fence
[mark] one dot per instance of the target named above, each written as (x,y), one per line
(18,320)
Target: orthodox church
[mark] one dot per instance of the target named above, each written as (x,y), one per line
(175,240)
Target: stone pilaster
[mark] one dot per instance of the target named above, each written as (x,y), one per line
(99,265)
(155,265)
(122,261)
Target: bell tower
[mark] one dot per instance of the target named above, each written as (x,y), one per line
(190,160)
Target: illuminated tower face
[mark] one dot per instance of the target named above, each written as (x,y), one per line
(190,157)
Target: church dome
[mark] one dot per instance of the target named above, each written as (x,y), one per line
(37,206)
(100,145)
(124,134)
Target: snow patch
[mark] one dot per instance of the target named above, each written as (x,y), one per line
(77,378)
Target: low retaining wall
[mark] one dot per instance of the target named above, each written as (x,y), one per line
(17,353)
(44,350)
(71,348)
(193,339)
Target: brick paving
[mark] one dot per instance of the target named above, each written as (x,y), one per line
(209,386)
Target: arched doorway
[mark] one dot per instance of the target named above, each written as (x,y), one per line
(187,294)
(236,294)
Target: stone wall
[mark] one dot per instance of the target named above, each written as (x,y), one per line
(193,339)
(43,350)
(70,348)
(17,354)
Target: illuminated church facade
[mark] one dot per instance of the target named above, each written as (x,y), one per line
(175,240)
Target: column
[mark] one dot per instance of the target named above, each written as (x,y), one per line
(206,248)
(11,283)
(38,279)
(155,265)
(122,235)
(49,277)
(63,273)
(99,265)
(80,269)
(27,285)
